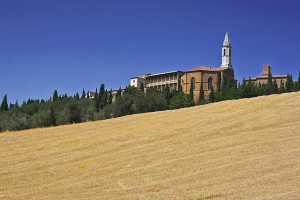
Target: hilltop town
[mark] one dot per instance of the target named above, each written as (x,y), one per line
(201,79)
(146,93)
(207,78)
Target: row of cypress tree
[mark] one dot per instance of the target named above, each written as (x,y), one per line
(230,90)
(64,109)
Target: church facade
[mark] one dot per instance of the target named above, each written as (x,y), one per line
(211,78)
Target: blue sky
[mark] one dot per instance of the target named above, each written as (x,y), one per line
(73,44)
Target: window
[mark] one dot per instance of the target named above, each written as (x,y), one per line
(224,52)
(210,83)
(193,83)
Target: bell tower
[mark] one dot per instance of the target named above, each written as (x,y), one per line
(226,53)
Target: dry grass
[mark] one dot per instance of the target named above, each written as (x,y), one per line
(244,149)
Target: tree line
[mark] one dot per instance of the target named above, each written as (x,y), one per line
(64,109)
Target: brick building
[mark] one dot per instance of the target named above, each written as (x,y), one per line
(210,77)
(263,78)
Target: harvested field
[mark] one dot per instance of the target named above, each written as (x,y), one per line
(240,149)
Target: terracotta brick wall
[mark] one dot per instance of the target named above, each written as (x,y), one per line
(203,76)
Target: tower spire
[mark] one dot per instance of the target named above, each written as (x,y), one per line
(226,53)
(226,40)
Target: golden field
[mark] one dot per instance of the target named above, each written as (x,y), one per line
(240,149)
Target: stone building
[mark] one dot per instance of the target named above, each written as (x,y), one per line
(263,78)
(90,95)
(158,81)
(161,80)
(137,81)
(211,78)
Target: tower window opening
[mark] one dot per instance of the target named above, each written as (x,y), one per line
(224,52)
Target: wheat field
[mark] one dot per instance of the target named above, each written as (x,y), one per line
(239,149)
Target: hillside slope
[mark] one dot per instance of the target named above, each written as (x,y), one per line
(240,149)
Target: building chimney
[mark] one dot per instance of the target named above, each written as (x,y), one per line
(266,70)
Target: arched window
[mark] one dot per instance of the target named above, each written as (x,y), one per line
(224,52)
(193,83)
(210,83)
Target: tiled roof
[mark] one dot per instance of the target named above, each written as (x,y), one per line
(266,77)
(202,68)
(273,76)
(171,72)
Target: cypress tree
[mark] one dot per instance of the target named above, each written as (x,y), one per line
(142,87)
(110,97)
(96,94)
(102,90)
(4,104)
(269,89)
(191,94)
(298,84)
(11,105)
(126,90)
(292,83)
(83,94)
(77,96)
(289,83)
(55,96)
(96,98)
(180,88)
(119,94)
(224,88)
(105,98)
(101,97)
(244,81)
(275,87)
(270,78)
(167,94)
(212,95)
(29,101)
(260,89)
(17,104)
(246,89)
(201,93)
(281,88)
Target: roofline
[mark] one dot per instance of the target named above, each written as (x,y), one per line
(135,77)
(207,69)
(164,73)
(273,76)
(266,77)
